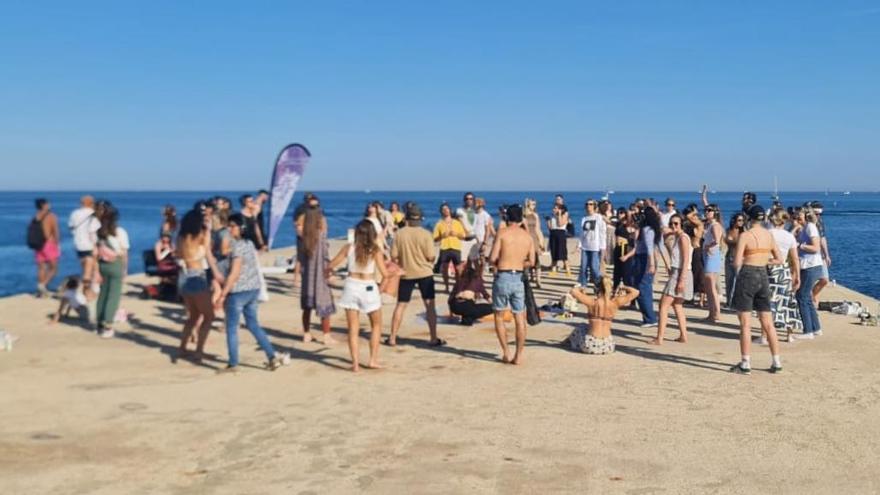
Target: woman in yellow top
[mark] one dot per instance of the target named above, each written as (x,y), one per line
(449,232)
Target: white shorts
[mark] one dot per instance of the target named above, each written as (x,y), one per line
(360,295)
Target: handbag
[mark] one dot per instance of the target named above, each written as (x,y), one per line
(264,289)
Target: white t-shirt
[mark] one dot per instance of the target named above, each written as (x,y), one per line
(593,233)
(665,217)
(481,220)
(76,298)
(809,260)
(784,241)
(119,242)
(84,227)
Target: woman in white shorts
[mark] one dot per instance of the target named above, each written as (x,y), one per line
(361,292)
(680,285)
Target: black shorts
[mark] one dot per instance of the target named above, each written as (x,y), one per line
(752,289)
(426,288)
(84,254)
(449,256)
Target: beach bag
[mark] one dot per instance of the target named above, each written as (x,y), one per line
(533,317)
(264,289)
(106,253)
(847,308)
(36,239)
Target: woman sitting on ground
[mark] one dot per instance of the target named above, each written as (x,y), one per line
(597,338)
(469,298)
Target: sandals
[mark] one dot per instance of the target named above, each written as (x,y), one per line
(438,342)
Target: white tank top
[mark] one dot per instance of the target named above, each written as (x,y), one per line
(355,267)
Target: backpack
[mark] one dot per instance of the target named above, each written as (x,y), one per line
(36,239)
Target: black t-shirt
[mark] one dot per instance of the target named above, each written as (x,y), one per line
(249,231)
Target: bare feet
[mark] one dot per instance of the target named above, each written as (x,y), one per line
(307,337)
(682,340)
(355,368)
(374,365)
(516,360)
(505,359)
(389,342)
(656,341)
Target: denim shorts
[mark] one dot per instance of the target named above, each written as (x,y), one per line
(193,283)
(508,291)
(752,289)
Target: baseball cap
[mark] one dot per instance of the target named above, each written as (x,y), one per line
(413,212)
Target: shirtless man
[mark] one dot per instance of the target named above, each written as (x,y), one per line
(512,253)
(46,256)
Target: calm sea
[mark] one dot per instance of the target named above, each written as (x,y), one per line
(851,221)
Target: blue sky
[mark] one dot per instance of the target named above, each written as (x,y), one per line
(441,95)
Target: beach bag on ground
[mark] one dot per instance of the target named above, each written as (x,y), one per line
(847,308)
(36,239)
(533,317)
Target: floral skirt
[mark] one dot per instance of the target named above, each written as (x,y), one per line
(581,341)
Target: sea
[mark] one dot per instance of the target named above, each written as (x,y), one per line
(851,219)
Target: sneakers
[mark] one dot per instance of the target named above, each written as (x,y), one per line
(805,336)
(741,370)
(280,359)
(775,369)
(228,370)
(107,333)
(817,333)
(648,325)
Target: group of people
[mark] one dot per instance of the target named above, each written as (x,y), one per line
(774,264)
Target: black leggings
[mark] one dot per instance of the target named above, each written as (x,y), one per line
(469,311)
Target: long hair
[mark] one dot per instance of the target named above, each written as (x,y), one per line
(170,217)
(364,242)
(313,224)
(652,220)
(192,226)
(604,287)
(109,219)
(779,217)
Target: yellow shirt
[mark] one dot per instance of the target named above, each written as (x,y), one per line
(452,242)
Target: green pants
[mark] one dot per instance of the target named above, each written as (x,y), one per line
(111,291)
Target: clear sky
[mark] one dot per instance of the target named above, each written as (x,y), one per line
(441,95)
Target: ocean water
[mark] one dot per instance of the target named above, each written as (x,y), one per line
(851,220)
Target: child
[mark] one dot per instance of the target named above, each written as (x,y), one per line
(72,298)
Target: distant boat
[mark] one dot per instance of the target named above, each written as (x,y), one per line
(367,191)
(607,195)
(846,193)
(775,196)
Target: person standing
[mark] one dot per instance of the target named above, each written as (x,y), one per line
(512,253)
(626,234)
(680,285)
(169,222)
(299,215)
(361,294)
(784,277)
(43,237)
(557,224)
(809,244)
(466,214)
(533,226)
(646,265)
(261,203)
(826,255)
(240,296)
(195,259)
(592,244)
(252,231)
(84,225)
(315,294)
(734,230)
(754,251)
(449,232)
(413,251)
(484,230)
(711,253)
(112,259)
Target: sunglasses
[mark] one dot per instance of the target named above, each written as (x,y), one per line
(670,204)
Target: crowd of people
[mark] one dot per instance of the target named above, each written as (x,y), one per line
(774,263)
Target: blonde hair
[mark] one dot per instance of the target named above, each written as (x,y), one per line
(809,215)
(530,205)
(604,288)
(779,217)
